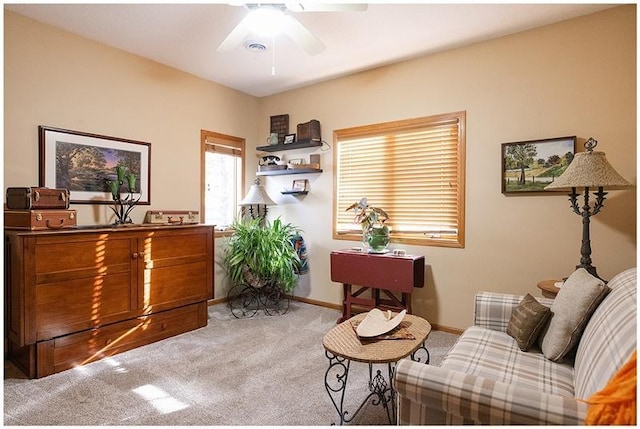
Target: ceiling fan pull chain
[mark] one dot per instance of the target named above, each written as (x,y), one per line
(273,55)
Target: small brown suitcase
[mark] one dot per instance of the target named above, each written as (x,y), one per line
(40,219)
(37,198)
(172,217)
(309,131)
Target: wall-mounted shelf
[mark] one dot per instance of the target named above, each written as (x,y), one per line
(301,144)
(294,192)
(288,171)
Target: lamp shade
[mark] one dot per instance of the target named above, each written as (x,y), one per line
(257,196)
(589,169)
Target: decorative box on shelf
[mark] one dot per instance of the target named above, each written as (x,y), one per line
(271,167)
(313,166)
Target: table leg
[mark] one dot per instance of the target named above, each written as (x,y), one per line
(406,301)
(422,350)
(346,303)
(338,383)
(335,383)
(379,389)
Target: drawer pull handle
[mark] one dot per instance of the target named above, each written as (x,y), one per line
(135,255)
(164,326)
(108,341)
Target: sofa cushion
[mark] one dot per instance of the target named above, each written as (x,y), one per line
(526,322)
(495,355)
(578,298)
(609,338)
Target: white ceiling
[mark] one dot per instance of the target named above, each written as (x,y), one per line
(185,36)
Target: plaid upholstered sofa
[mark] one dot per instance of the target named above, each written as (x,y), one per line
(486,379)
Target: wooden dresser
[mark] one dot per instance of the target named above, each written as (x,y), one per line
(76,296)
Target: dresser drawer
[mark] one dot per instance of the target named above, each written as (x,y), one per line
(81,348)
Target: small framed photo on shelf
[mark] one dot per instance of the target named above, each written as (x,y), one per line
(299,185)
(289,138)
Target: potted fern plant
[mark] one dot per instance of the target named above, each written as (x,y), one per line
(261,261)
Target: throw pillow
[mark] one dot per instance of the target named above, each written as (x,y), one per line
(578,298)
(527,320)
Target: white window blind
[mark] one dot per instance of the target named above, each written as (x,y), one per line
(412,169)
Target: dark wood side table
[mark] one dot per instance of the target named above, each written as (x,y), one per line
(389,273)
(548,288)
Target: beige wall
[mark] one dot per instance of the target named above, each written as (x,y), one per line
(61,80)
(576,77)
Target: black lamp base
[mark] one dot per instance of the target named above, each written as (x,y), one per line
(586,213)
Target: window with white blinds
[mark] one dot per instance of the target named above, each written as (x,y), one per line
(223,177)
(413,169)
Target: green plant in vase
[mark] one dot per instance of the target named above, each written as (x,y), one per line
(375,234)
(122,207)
(262,254)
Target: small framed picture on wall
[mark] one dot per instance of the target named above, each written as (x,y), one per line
(299,185)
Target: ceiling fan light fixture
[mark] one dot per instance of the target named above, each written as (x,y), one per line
(266,21)
(255,46)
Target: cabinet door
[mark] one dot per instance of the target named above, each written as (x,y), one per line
(82,282)
(178,268)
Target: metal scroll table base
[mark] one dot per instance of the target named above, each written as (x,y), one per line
(381,391)
(245,301)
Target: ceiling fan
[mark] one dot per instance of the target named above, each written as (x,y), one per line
(268,19)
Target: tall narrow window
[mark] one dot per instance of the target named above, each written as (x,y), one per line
(413,169)
(223,177)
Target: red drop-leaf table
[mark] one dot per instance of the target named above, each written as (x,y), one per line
(394,275)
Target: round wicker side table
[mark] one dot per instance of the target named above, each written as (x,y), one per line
(342,346)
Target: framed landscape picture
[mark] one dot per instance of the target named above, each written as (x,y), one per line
(83,162)
(529,166)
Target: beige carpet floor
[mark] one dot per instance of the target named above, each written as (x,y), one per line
(264,370)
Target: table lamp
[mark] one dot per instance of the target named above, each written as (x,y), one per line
(588,170)
(258,197)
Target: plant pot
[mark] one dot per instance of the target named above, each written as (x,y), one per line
(376,238)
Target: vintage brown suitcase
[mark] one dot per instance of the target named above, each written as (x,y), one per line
(309,131)
(172,217)
(37,198)
(40,219)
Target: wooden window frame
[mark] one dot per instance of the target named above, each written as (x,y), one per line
(225,144)
(387,129)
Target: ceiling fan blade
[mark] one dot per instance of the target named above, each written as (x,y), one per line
(308,6)
(234,38)
(303,37)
